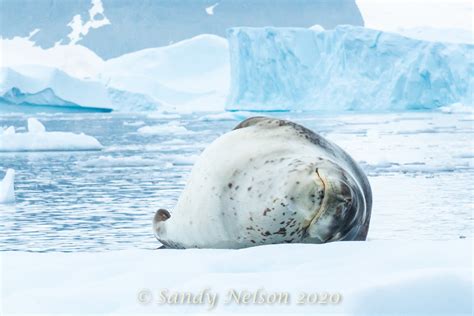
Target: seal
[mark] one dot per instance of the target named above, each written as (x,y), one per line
(268,181)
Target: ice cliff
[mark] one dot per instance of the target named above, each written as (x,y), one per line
(348,68)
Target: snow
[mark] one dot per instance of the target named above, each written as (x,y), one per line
(7,187)
(317,28)
(438,20)
(191,74)
(373,278)
(37,139)
(348,68)
(174,127)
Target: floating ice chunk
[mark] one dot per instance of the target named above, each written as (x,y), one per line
(226,116)
(35,126)
(37,139)
(164,115)
(184,160)
(173,127)
(108,162)
(8,131)
(137,123)
(457,108)
(7,188)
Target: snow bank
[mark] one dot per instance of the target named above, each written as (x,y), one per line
(37,139)
(7,187)
(348,68)
(372,278)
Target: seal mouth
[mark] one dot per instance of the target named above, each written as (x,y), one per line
(337,212)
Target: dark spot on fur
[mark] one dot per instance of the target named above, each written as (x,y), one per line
(230,185)
(253,241)
(251,218)
(249,188)
(237,187)
(266,211)
(267,233)
(281,231)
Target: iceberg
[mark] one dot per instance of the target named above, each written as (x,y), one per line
(38,139)
(7,188)
(348,68)
(191,74)
(45,100)
(35,78)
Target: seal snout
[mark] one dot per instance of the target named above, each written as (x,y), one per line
(338,213)
(161,215)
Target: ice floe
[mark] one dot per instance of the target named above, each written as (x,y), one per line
(174,127)
(372,278)
(7,187)
(38,139)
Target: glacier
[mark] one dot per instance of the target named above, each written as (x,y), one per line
(347,68)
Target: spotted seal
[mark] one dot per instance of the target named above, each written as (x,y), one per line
(268,181)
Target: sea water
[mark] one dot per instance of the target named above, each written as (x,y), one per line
(420,166)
